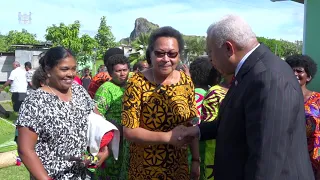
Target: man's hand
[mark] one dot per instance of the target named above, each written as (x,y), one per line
(182,135)
(190,133)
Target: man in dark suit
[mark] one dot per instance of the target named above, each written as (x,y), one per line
(260,130)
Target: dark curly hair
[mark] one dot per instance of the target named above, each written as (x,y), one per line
(28,64)
(202,73)
(110,52)
(304,61)
(117,59)
(39,78)
(138,66)
(166,31)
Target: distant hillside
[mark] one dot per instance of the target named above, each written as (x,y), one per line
(196,44)
(141,26)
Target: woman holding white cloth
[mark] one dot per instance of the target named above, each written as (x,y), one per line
(53,123)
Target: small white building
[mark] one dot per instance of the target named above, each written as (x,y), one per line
(22,54)
(26,52)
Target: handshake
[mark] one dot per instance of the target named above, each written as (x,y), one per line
(182,135)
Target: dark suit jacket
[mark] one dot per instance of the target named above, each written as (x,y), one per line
(260,131)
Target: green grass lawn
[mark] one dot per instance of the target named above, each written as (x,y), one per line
(14,173)
(7,132)
(6,135)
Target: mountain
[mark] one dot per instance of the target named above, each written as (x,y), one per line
(141,25)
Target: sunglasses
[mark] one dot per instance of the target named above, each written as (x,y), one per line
(161,54)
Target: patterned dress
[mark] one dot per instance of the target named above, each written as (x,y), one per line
(210,110)
(97,81)
(61,128)
(199,96)
(312,107)
(200,93)
(158,108)
(109,103)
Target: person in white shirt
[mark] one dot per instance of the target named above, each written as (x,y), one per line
(29,74)
(19,84)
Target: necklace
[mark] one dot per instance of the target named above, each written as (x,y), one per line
(56,94)
(154,78)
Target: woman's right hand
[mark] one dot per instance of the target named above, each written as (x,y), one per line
(103,155)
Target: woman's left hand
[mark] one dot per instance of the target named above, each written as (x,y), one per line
(195,170)
(102,155)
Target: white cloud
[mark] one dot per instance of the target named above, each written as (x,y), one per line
(275,20)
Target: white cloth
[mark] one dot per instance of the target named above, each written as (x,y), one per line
(19,81)
(97,127)
(244,59)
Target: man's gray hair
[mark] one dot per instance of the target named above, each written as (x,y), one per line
(231,28)
(16,63)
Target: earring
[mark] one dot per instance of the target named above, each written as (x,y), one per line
(49,75)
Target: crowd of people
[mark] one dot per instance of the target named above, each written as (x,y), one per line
(240,112)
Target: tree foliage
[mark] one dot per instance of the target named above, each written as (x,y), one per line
(282,48)
(140,44)
(104,37)
(68,37)
(65,35)
(3,44)
(88,49)
(16,37)
(290,48)
(195,46)
(88,46)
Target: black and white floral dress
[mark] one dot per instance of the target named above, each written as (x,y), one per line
(61,128)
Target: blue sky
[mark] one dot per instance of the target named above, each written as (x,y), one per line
(280,20)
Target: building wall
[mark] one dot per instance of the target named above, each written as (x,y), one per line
(24,55)
(5,66)
(312,37)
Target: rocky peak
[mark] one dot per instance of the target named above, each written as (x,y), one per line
(142,25)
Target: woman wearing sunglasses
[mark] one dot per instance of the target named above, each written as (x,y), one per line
(305,69)
(156,101)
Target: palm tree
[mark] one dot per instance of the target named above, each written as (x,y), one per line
(195,46)
(140,45)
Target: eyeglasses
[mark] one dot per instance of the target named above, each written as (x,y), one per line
(160,54)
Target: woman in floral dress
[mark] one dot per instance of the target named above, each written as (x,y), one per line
(305,69)
(52,121)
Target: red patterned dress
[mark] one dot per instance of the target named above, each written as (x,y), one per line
(312,106)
